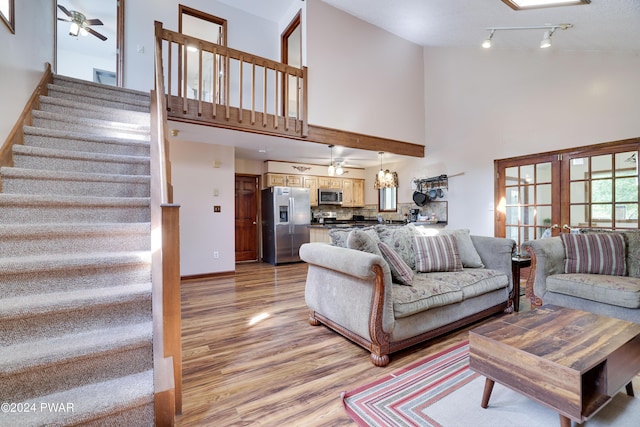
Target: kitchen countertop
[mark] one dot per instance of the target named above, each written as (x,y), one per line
(367,223)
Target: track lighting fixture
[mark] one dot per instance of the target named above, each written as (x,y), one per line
(546,40)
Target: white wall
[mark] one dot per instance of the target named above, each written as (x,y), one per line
(201,230)
(22,58)
(245,32)
(361,78)
(483,105)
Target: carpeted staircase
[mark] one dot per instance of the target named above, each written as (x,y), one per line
(75,276)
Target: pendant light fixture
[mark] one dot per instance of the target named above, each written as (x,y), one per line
(331,171)
(385,178)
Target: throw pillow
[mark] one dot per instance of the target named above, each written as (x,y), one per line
(339,236)
(398,238)
(400,271)
(364,240)
(468,253)
(602,253)
(436,253)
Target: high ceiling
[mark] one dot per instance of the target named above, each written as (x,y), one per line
(608,25)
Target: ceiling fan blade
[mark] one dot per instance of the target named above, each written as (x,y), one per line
(64,20)
(95,33)
(94,22)
(64,9)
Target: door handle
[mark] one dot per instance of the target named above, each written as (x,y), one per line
(255,223)
(566,227)
(555,226)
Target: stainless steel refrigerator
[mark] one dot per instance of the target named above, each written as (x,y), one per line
(286,215)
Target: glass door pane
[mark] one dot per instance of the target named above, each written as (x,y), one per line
(528,198)
(603,190)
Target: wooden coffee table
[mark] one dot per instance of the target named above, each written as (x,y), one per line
(569,360)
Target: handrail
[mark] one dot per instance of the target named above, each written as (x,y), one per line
(165,253)
(275,96)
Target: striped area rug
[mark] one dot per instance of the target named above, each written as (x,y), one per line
(441,391)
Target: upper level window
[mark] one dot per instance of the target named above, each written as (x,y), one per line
(7,14)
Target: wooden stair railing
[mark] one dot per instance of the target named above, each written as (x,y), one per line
(276,102)
(165,247)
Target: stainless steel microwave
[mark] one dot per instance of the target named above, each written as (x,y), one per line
(329,196)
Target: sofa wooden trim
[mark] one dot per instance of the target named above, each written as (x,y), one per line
(528,290)
(381,346)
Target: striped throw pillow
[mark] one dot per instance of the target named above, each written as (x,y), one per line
(400,271)
(436,253)
(602,253)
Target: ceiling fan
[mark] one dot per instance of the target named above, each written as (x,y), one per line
(80,24)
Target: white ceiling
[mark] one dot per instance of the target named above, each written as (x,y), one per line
(601,25)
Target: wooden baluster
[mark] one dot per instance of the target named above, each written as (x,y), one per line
(253,91)
(184,79)
(275,111)
(240,90)
(200,79)
(297,101)
(214,85)
(226,85)
(264,95)
(285,81)
(305,124)
(169,75)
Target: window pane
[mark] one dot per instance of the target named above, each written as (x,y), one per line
(528,215)
(543,194)
(512,195)
(526,233)
(526,174)
(601,166)
(601,215)
(627,189)
(627,163)
(579,216)
(579,192)
(543,217)
(601,191)
(526,195)
(579,169)
(511,176)
(627,215)
(543,172)
(512,233)
(512,215)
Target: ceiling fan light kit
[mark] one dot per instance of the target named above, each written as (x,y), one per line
(80,24)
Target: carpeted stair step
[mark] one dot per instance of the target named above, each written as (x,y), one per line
(76,109)
(91,88)
(40,209)
(31,275)
(106,100)
(46,119)
(60,313)
(35,181)
(74,141)
(28,157)
(17,240)
(51,365)
(123,401)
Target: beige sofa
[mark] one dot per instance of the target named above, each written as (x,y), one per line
(608,295)
(350,288)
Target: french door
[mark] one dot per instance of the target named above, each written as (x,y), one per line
(545,194)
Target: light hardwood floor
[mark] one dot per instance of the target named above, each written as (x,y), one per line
(251,358)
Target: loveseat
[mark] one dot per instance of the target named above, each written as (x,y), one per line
(358,287)
(591,270)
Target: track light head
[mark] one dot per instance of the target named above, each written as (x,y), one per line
(546,40)
(487,43)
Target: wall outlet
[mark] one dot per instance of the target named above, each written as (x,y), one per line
(216,254)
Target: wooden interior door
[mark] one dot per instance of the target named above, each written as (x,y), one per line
(246,217)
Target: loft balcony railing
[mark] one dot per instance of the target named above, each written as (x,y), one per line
(208,83)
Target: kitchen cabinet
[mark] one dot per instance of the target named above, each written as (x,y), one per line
(282,180)
(329,182)
(311,182)
(352,193)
